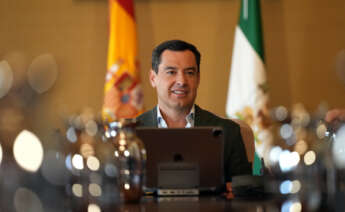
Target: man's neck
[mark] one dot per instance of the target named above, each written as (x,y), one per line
(174,118)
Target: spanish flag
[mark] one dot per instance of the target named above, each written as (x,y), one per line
(123,97)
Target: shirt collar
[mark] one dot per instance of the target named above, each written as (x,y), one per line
(190,118)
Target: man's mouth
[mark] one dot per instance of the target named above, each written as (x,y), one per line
(179,92)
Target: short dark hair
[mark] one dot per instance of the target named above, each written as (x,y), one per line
(174,45)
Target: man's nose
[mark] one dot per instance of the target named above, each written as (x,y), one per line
(181,78)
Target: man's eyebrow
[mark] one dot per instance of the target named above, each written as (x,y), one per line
(170,68)
(192,68)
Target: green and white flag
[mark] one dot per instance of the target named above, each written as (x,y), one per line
(247,96)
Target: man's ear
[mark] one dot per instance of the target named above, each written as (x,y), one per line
(152,77)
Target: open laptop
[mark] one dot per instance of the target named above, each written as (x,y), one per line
(183,161)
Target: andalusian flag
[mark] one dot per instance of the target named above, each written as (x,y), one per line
(247,96)
(123,93)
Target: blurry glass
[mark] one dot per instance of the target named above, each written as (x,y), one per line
(22,187)
(130,157)
(90,159)
(300,161)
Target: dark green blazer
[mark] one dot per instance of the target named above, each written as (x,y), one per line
(235,159)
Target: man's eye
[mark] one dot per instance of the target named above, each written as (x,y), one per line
(191,73)
(170,72)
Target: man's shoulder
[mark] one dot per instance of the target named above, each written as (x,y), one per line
(205,117)
(146,118)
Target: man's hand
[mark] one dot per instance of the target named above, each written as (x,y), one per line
(229,194)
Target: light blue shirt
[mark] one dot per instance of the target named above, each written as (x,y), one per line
(189,118)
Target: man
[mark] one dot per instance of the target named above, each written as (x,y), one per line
(175,74)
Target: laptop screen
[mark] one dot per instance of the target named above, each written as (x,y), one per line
(200,145)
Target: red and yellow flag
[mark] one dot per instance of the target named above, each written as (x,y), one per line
(123,96)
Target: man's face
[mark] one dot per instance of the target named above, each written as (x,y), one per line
(177,80)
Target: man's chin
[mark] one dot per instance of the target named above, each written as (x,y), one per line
(183,107)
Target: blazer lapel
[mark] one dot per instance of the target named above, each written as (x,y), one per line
(201,118)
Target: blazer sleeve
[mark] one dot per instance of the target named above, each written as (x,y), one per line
(235,160)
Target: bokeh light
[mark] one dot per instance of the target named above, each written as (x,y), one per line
(27,201)
(291,206)
(19,63)
(77,190)
(285,187)
(321,131)
(296,187)
(0,154)
(93,208)
(93,163)
(286,131)
(68,162)
(288,160)
(87,150)
(42,73)
(281,113)
(111,170)
(309,158)
(6,78)
(71,135)
(339,148)
(91,128)
(296,207)
(126,153)
(126,186)
(28,151)
(77,162)
(95,190)
(301,146)
(274,154)
(113,133)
